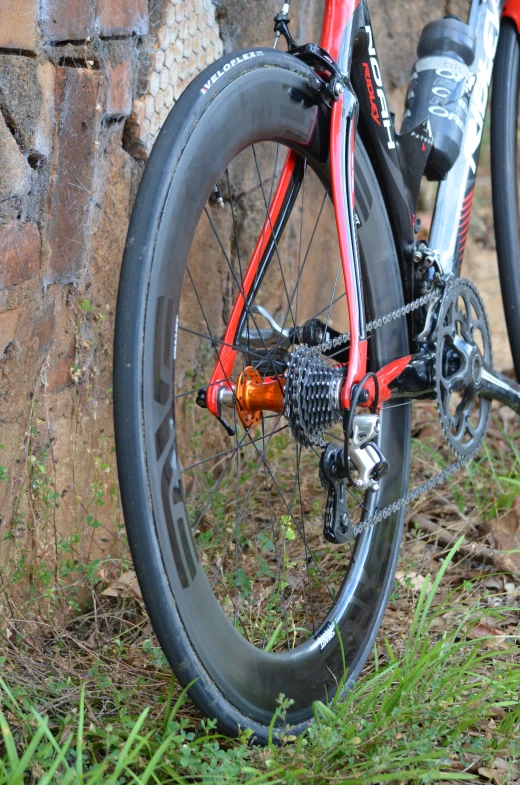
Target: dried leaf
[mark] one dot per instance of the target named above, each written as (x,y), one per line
(505,533)
(497,639)
(410,580)
(491,774)
(510,768)
(124,586)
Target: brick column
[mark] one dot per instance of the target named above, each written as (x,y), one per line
(84,88)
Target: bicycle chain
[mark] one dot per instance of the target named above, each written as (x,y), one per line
(382,321)
(438,479)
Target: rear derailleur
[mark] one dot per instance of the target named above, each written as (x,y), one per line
(362,465)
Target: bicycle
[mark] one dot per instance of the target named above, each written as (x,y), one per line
(263,388)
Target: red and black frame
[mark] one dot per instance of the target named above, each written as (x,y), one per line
(346,60)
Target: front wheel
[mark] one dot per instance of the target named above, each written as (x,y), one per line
(247,598)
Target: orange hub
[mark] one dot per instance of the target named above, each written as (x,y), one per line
(253,395)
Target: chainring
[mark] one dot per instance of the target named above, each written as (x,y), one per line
(462,345)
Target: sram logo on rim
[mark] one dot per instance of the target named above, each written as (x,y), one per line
(227,67)
(327,635)
(382,110)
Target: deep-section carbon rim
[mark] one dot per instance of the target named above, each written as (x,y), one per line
(248,679)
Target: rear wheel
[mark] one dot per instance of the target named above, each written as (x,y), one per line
(504,171)
(246,596)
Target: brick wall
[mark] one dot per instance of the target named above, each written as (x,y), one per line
(84,88)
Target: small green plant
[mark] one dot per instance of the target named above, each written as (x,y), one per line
(3,469)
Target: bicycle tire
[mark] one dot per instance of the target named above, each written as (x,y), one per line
(231,680)
(504,178)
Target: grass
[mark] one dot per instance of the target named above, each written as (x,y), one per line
(424,716)
(90,699)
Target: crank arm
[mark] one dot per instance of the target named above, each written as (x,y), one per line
(497,387)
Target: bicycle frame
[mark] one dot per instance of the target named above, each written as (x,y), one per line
(363,106)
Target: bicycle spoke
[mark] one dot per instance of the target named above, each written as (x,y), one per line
(201,387)
(273,235)
(241,291)
(297,287)
(296,525)
(232,449)
(251,483)
(300,272)
(215,489)
(237,520)
(332,296)
(301,268)
(206,321)
(235,232)
(217,340)
(278,560)
(298,457)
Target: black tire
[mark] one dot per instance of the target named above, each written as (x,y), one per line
(274,96)
(504,172)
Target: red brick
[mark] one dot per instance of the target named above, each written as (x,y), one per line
(123,16)
(119,89)
(63,20)
(58,375)
(19,24)
(43,132)
(43,328)
(8,322)
(15,172)
(70,198)
(19,253)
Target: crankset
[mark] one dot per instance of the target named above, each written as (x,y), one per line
(465,380)
(463,349)
(455,365)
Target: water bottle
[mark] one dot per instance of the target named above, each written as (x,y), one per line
(439,90)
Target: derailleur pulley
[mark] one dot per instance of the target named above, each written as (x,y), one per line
(363,465)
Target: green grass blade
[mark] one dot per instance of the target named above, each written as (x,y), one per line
(10,747)
(79,737)
(46,779)
(17,775)
(274,636)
